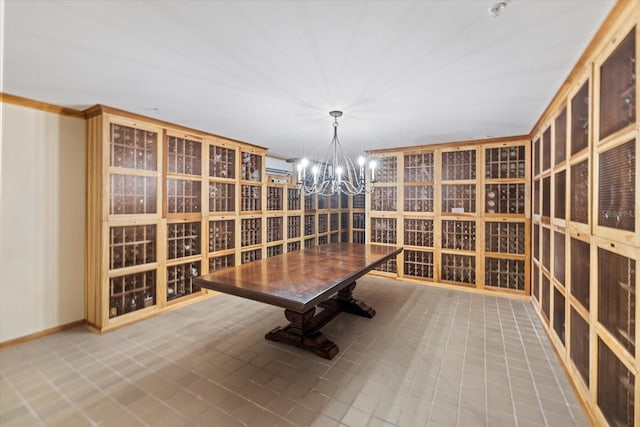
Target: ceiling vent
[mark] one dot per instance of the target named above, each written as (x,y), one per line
(278,167)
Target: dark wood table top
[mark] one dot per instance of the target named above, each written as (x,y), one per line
(302,279)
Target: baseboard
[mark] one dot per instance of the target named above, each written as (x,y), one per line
(41,334)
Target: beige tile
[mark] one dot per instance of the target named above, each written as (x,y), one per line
(354,417)
(301,415)
(335,409)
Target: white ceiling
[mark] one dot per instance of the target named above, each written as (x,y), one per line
(268,72)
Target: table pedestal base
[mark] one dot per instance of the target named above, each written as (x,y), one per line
(304,329)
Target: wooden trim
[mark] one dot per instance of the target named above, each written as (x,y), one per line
(42,106)
(35,335)
(618,13)
(450,145)
(98,109)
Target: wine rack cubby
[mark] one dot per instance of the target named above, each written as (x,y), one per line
(505,162)
(459,165)
(458,268)
(504,198)
(251,198)
(323,202)
(358,237)
(323,223)
(546,149)
(132,195)
(309,243)
(293,199)
(618,87)
(418,167)
(132,148)
(559,257)
(180,279)
(131,292)
(183,240)
(386,169)
(460,235)
(250,231)
(222,162)
(359,201)
(183,196)
(384,230)
(131,245)
(580,120)
(293,246)
(293,227)
(418,198)
(220,262)
(274,250)
(418,232)
(579,270)
(221,235)
(616,391)
(616,190)
(274,198)
(274,229)
(389,266)
(309,203)
(384,199)
(505,238)
(359,221)
(546,197)
(334,222)
(579,197)
(309,225)
(560,138)
(545,297)
(458,198)
(579,336)
(617,297)
(184,156)
(560,195)
(546,248)
(251,167)
(323,240)
(250,256)
(418,264)
(559,321)
(222,197)
(505,273)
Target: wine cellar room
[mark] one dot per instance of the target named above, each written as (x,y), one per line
(108,215)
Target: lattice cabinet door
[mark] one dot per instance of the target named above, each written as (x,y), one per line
(616,214)
(184,176)
(222,184)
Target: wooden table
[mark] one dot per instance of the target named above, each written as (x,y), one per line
(299,282)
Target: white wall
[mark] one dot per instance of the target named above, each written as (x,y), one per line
(42,205)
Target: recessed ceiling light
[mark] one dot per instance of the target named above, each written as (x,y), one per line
(497,8)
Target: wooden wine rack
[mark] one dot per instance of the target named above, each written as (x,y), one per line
(455,198)
(586,222)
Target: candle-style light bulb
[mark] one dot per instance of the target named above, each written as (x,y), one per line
(361,162)
(339,173)
(315,170)
(303,165)
(372,165)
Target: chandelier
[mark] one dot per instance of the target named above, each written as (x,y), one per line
(337,174)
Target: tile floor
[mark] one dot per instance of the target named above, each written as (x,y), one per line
(431,357)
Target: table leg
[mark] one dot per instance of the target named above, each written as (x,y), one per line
(348,304)
(303,332)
